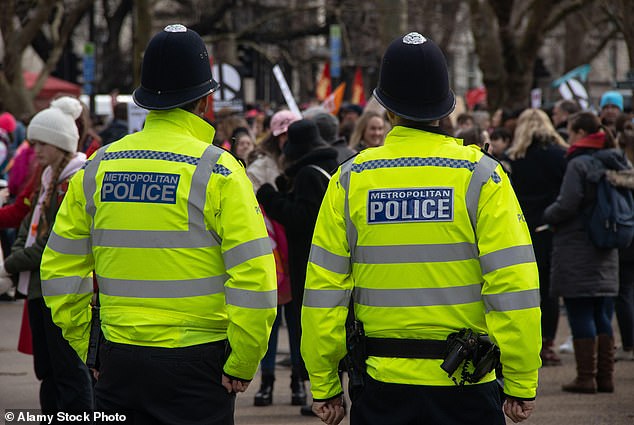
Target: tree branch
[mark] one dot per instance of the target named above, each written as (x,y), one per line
(71,20)
(566,9)
(207,24)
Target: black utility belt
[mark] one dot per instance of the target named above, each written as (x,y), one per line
(406,348)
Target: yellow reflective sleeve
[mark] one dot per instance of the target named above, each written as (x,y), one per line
(325,298)
(251,287)
(70,303)
(511,285)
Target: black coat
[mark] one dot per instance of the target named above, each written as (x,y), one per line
(297,209)
(536,179)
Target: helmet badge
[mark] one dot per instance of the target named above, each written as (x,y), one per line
(414,38)
(175,28)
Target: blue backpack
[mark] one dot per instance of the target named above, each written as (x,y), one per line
(610,220)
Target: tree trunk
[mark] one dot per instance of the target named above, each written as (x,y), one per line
(392,20)
(142,35)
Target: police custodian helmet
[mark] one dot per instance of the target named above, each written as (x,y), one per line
(175,70)
(413,81)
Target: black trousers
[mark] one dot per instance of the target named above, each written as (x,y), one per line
(175,386)
(381,403)
(66,384)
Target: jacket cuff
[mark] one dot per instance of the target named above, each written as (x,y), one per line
(328,399)
(519,398)
(235,378)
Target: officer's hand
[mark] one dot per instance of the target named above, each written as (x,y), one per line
(518,410)
(234,385)
(331,412)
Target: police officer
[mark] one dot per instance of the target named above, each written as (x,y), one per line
(428,238)
(172,229)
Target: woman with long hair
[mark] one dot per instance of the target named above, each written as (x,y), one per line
(66,384)
(537,163)
(369,131)
(265,170)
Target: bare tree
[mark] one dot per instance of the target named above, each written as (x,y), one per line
(117,58)
(621,12)
(20,23)
(508,35)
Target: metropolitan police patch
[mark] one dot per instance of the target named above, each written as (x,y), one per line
(157,188)
(434,204)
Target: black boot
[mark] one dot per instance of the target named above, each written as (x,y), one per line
(264,397)
(298,391)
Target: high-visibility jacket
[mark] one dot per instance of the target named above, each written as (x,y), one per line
(173,231)
(428,238)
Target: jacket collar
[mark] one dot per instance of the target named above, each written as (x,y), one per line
(399,134)
(181,121)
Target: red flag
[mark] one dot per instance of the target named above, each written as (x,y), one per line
(324,85)
(358,94)
(333,102)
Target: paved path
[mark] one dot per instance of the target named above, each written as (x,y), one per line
(19,388)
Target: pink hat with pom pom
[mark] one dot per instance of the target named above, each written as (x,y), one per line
(7,122)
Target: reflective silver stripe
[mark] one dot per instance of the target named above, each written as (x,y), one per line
(326,298)
(67,286)
(246,251)
(162,288)
(481,174)
(512,300)
(397,254)
(328,260)
(351,232)
(68,246)
(90,180)
(418,297)
(152,239)
(198,190)
(507,257)
(251,299)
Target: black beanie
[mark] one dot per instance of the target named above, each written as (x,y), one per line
(303,137)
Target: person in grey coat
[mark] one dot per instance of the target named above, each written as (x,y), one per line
(585,276)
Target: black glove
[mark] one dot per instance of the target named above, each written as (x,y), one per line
(283,183)
(264,191)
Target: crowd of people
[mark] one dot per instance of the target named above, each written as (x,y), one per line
(288,161)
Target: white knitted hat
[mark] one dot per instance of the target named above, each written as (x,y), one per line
(56,124)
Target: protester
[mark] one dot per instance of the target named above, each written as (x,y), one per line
(171,227)
(561,111)
(65,381)
(118,127)
(295,205)
(267,166)
(265,169)
(474,136)
(611,105)
(423,234)
(242,144)
(369,131)
(584,275)
(464,121)
(537,163)
(329,129)
(500,142)
(625,299)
